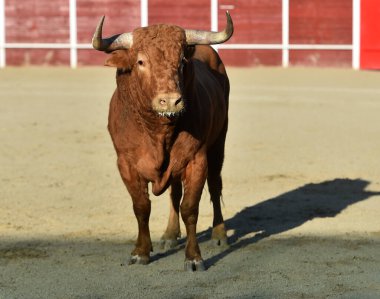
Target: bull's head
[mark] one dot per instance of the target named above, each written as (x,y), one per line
(158,56)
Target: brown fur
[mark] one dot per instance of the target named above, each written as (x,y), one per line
(183,150)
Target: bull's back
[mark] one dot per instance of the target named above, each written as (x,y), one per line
(210,57)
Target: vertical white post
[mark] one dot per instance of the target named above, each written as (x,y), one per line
(356,34)
(73,34)
(2,34)
(285,33)
(144,13)
(214,15)
(214,18)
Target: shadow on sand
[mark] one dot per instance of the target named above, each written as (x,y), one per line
(252,224)
(289,210)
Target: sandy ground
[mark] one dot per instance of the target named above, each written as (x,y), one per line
(301,191)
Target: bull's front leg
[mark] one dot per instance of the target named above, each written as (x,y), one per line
(138,189)
(194,179)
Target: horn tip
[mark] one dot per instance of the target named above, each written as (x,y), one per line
(230,25)
(96,39)
(228,15)
(101,21)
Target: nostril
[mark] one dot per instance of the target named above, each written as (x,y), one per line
(162,102)
(178,101)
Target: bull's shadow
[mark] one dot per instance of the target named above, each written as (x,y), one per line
(288,211)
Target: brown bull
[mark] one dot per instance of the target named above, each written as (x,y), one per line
(168,123)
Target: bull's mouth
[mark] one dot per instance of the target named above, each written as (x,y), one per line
(170,114)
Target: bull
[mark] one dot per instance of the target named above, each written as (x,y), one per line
(168,122)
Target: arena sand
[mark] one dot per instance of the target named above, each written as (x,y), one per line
(301,191)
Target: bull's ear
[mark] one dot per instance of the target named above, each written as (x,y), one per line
(122,60)
(116,59)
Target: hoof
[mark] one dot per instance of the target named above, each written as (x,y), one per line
(168,243)
(194,265)
(138,260)
(219,243)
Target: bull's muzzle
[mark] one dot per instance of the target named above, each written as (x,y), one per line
(168,104)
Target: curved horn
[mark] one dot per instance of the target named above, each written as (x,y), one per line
(116,42)
(199,37)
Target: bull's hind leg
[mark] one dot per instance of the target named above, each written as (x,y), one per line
(194,179)
(170,237)
(215,159)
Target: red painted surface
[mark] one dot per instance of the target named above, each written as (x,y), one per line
(36,21)
(91,57)
(255,21)
(320,58)
(320,22)
(191,14)
(370,34)
(251,57)
(43,57)
(310,22)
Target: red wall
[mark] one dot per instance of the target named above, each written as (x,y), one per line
(191,14)
(32,21)
(320,22)
(370,34)
(46,21)
(256,21)
(310,22)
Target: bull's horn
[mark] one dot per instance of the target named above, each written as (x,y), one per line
(116,42)
(198,37)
